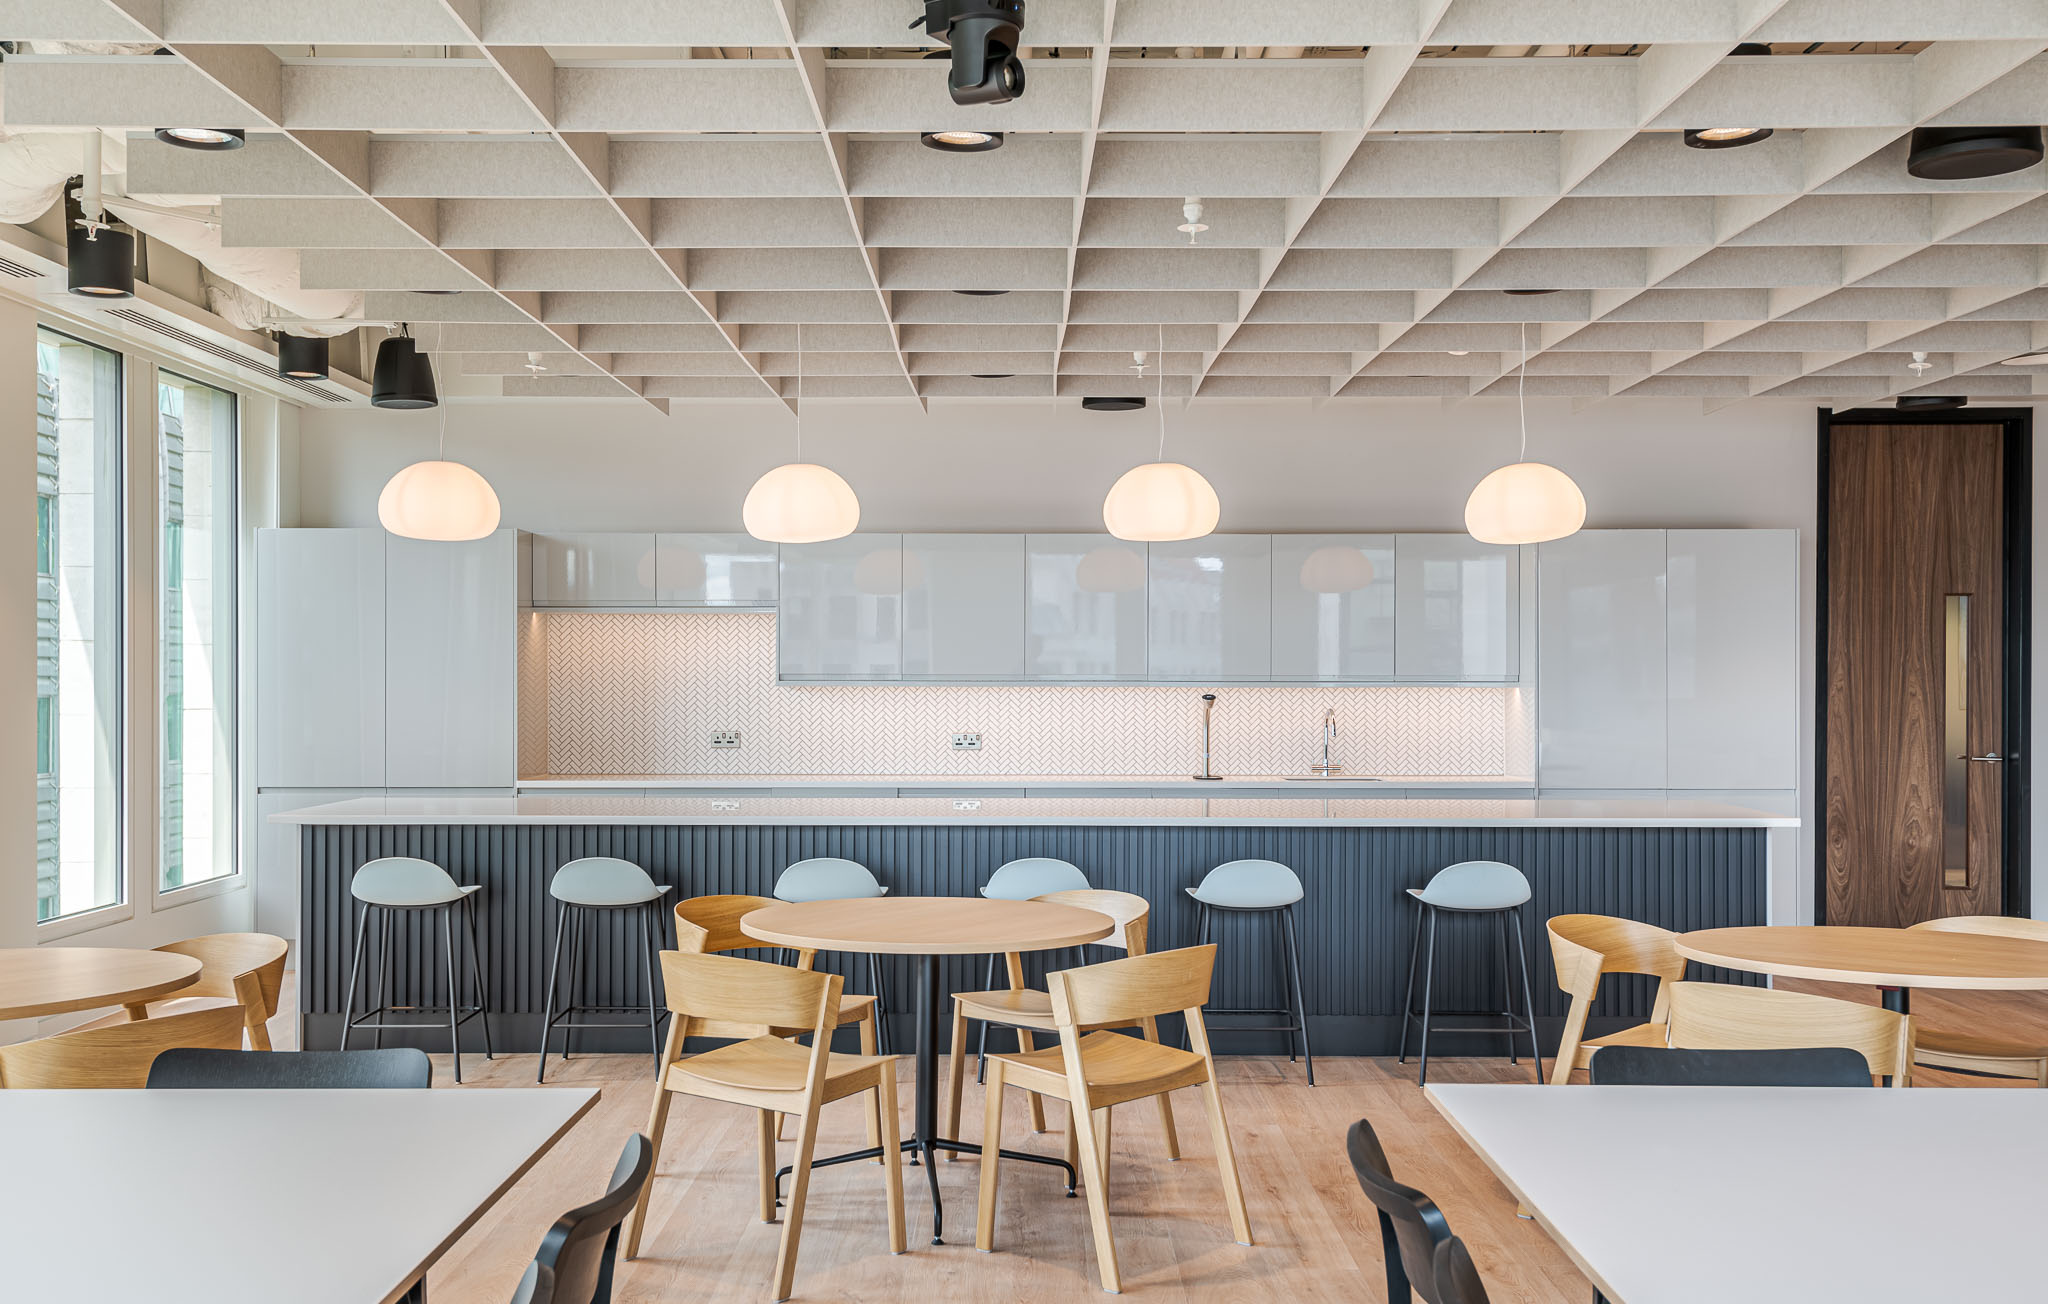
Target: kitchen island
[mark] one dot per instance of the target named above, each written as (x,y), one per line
(1674,860)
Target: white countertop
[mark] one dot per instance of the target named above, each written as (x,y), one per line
(1673,811)
(1149,782)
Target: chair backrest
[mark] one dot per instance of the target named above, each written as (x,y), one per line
(247,967)
(1477,885)
(1604,944)
(1654,1066)
(1120,993)
(1129,910)
(1034,876)
(574,1262)
(726,989)
(1457,1277)
(1411,1226)
(1722,1016)
(402,880)
(706,925)
(117,1055)
(2031,930)
(1249,883)
(827,878)
(188,1067)
(601,880)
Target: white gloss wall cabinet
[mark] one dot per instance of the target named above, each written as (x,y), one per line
(593,570)
(320,658)
(451,662)
(1600,663)
(1333,607)
(1210,605)
(1455,604)
(1085,616)
(1732,634)
(963,606)
(841,612)
(714,570)
(277,854)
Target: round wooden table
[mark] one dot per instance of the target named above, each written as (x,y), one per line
(1895,960)
(40,980)
(929,927)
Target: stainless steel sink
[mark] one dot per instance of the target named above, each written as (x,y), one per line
(1329,778)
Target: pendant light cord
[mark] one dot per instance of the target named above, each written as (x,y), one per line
(799,391)
(1522,387)
(440,399)
(1162,392)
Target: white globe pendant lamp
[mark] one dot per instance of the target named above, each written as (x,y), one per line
(800,502)
(1524,501)
(1162,501)
(438,500)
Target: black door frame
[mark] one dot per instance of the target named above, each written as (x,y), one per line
(2018,570)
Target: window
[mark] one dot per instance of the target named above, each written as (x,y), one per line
(196,442)
(78,626)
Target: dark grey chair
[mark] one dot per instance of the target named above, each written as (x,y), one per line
(260,1069)
(1411,1226)
(1457,1279)
(574,1262)
(1654,1066)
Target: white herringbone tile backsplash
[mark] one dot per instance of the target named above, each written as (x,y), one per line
(640,693)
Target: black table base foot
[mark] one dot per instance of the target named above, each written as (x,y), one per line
(918,1148)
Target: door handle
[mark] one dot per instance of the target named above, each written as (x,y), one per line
(1989,758)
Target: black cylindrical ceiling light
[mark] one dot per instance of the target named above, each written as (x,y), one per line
(100,262)
(1970,153)
(403,377)
(302,357)
(201,137)
(1112,403)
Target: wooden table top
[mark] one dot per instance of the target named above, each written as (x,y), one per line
(926,925)
(39,980)
(1884,957)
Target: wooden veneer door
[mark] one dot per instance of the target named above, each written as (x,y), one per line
(1914,677)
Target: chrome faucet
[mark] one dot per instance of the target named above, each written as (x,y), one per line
(1328,767)
(1208,769)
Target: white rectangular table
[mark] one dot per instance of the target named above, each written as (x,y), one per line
(1774,1195)
(226,1197)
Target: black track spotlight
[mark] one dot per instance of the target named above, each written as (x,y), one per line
(1102,403)
(1930,402)
(1725,137)
(985,36)
(1969,153)
(301,357)
(403,377)
(202,137)
(99,262)
(962,142)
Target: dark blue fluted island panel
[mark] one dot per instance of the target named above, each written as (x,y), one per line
(1355,921)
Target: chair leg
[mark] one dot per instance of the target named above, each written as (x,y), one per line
(1201,939)
(657,1119)
(476,970)
(348,1002)
(1428,981)
(385,981)
(649,923)
(1103,1120)
(1151,1027)
(892,1171)
(866,1029)
(454,996)
(1293,945)
(1226,1161)
(1507,982)
(956,1076)
(1408,996)
(1034,1102)
(991,1161)
(574,919)
(1528,996)
(1097,1182)
(793,1211)
(547,1014)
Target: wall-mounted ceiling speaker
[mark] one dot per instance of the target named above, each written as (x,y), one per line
(1105,404)
(1968,153)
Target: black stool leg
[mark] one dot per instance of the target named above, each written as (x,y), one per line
(981,1051)
(348,1003)
(1201,939)
(883,1042)
(476,971)
(385,979)
(454,995)
(1408,996)
(547,1014)
(1528,997)
(1286,985)
(1507,985)
(1294,980)
(573,915)
(1428,981)
(649,922)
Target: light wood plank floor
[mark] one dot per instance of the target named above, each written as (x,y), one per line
(1317,1237)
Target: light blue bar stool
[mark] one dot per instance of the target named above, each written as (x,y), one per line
(1022,880)
(832,878)
(588,888)
(1260,887)
(385,888)
(1472,887)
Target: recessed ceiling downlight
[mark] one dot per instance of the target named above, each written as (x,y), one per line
(981,294)
(1971,153)
(1930,402)
(201,137)
(962,142)
(2027,360)
(1528,292)
(1725,137)
(1112,403)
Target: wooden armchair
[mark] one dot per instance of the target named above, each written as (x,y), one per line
(1585,947)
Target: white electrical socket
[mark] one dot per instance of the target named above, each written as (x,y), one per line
(723,739)
(966,742)
(967,803)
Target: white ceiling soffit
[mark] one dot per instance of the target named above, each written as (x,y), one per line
(652,198)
